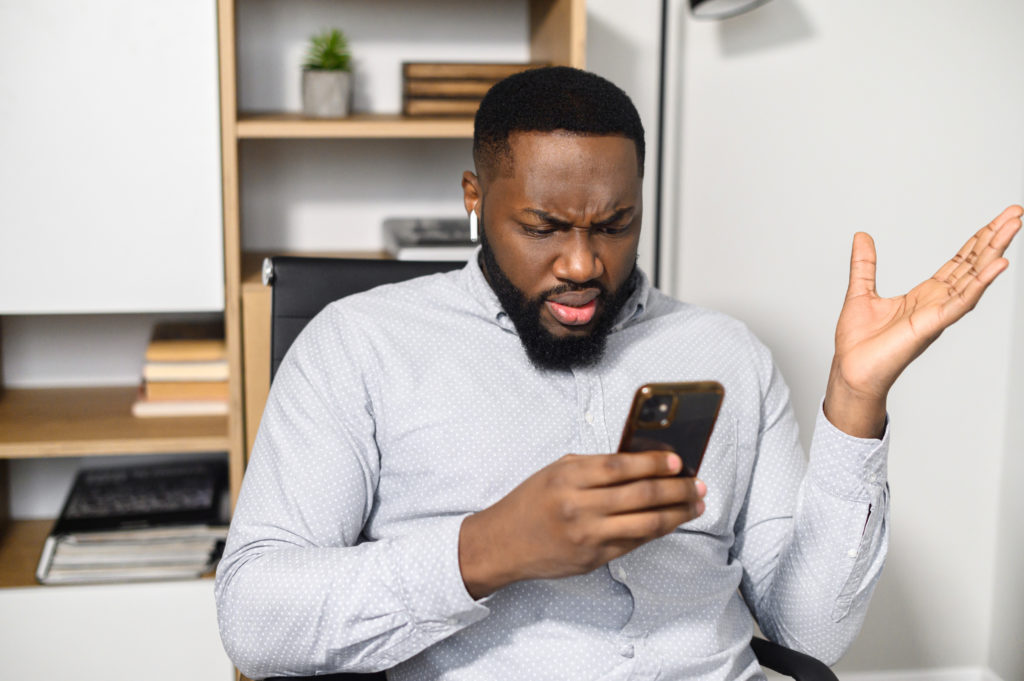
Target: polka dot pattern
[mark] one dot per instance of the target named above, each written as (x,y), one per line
(400,411)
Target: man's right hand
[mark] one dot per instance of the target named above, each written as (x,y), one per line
(575,515)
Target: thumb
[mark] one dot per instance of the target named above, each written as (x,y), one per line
(862,266)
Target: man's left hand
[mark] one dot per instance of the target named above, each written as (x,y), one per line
(877,338)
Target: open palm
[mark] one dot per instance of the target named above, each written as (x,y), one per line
(876,338)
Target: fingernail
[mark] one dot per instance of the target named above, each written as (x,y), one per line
(700,507)
(675,464)
(702,489)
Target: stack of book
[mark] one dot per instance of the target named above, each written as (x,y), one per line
(134,523)
(428,238)
(185,373)
(451,89)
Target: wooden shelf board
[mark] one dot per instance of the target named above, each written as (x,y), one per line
(252,262)
(44,422)
(21,543)
(381,126)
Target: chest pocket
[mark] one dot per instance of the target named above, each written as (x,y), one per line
(718,471)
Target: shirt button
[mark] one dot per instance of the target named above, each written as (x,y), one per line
(621,571)
(626,650)
(852,553)
(589,418)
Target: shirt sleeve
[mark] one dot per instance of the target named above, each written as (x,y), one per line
(813,534)
(298,591)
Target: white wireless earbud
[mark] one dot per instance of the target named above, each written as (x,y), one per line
(474,228)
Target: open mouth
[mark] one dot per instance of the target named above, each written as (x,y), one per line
(575,308)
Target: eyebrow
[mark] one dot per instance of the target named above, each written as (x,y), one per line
(558,222)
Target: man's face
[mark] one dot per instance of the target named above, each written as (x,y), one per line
(560,240)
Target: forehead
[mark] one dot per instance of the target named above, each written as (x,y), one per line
(547,164)
(561,151)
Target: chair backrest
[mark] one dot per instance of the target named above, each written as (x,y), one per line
(304,286)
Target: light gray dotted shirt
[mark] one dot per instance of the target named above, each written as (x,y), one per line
(400,411)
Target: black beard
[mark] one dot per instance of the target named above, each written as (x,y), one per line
(544,349)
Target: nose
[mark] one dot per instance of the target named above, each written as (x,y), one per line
(578,260)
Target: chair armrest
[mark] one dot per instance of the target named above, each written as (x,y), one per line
(790,662)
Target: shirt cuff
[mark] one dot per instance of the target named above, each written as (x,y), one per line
(846,466)
(426,565)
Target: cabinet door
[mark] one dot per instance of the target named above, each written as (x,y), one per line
(110,163)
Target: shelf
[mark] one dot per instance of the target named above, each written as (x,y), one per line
(21,543)
(45,422)
(357,126)
(252,261)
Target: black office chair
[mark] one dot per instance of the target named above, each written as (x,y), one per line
(304,286)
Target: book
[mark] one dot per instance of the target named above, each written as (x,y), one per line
(428,239)
(186,390)
(442,87)
(130,523)
(439,106)
(187,342)
(216,370)
(143,408)
(470,70)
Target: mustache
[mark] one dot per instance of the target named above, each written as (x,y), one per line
(572,286)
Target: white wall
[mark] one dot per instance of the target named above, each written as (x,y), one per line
(1006,651)
(805,121)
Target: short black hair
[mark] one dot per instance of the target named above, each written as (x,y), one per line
(549,99)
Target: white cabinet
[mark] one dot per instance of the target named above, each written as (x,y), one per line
(165,631)
(110,161)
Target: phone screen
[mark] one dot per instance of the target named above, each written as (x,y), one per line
(677,417)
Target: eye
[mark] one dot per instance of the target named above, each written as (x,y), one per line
(615,230)
(538,230)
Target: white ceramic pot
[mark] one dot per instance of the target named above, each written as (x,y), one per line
(325,94)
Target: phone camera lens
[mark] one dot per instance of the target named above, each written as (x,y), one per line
(656,409)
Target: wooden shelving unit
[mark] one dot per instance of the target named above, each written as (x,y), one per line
(556,34)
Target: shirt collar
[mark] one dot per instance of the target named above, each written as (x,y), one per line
(481,291)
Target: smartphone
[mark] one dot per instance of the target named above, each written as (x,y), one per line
(676,417)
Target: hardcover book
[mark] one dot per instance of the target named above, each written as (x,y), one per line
(428,238)
(156,521)
(494,71)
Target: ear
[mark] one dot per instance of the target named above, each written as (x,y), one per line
(471,191)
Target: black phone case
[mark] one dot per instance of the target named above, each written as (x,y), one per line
(685,427)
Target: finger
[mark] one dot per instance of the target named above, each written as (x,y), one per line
(997,234)
(649,493)
(601,470)
(1007,229)
(647,525)
(964,300)
(988,250)
(862,266)
(944,274)
(1009,214)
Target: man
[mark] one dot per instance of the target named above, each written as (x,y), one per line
(431,490)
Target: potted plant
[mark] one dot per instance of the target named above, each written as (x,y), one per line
(326,77)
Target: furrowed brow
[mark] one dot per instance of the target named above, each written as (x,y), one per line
(548,217)
(615,217)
